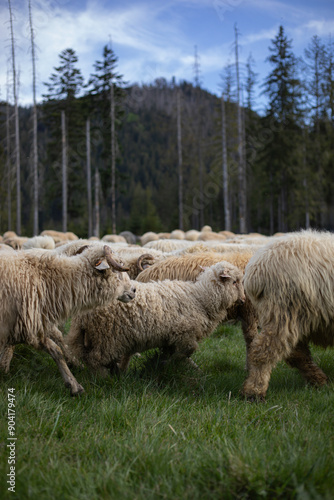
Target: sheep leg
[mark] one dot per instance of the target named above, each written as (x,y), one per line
(6,357)
(249,324)
(301,358)
(55,352)
(265,351)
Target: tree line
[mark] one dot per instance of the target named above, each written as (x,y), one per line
(114,156)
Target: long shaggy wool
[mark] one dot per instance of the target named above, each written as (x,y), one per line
(291,285)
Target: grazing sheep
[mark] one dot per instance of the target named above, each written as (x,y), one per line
(291,285)
(189,266)
(40,291)
(171,315)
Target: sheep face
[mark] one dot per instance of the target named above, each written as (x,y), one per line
(109,270)
(127,288)
(226,280)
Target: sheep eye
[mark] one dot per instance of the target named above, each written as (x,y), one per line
(234,282)
(98,263)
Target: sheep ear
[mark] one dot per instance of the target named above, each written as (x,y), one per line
(224,277)
(81,249)
(101,265)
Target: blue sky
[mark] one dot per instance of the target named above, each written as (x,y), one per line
(155,39)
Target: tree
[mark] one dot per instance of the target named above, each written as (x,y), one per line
(17,133)
(282,120)
(64,116)
(35,149)
(241,156)
(106,90)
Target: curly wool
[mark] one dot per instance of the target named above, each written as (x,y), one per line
(174,314)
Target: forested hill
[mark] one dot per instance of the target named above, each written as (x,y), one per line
(146,169)
(290,174)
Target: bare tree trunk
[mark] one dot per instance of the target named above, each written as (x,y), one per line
(64,169)
(8,168)
(241,164)
(17,133)
(179,149)
(113,158)
(89,179)
(97,203)
(35,149)
(227,213)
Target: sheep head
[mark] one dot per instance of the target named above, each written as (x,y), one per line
(142,261)
(110,262)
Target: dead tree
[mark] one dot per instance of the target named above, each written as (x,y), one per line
(241,162)
(35,148)
(17,132)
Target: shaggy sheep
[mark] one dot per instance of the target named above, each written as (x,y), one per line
(147,237)
(291,285)
(177,234)
(189,266)
(45,242)
(129,237)
(16,242)
(168,245)
(114,238)
(171,315)
(59,236)
(39,292)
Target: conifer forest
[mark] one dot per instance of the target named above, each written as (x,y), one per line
(114,156)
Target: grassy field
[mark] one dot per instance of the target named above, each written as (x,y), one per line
(173,433)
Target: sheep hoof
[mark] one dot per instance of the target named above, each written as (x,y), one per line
(256,398)
(79,390)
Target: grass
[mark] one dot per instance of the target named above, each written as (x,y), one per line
(174,433)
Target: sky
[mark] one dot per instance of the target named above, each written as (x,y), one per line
(155,38)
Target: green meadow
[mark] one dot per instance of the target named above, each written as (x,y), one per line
(168,433)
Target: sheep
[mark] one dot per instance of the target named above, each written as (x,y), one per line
(168,245)
(114,238)
(16,242)
(46,242)
(6,248)
(59,236)
(129,237)
(177,234)
(40,291)
(149,236)
(189,266)
(135,258)
(192,235)
(211,236)
(171,315)
(291,285)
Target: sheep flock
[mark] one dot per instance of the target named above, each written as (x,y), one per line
(168,291)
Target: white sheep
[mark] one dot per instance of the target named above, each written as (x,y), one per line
(291,285)
(171,315)
(40,291)
(45,242)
